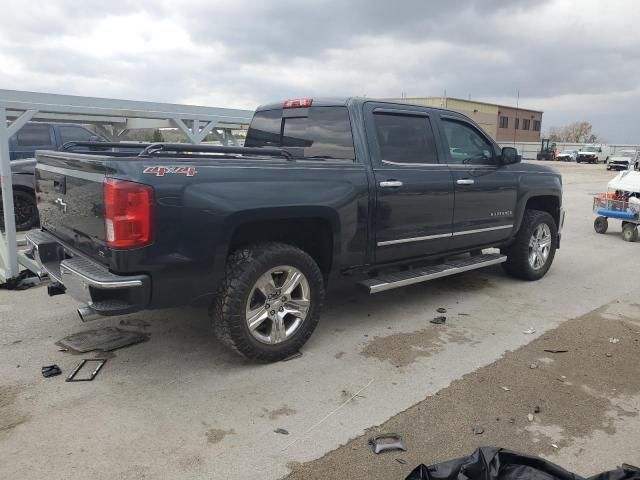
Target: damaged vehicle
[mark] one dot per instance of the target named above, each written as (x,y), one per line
(624,160)
(567,156)
(591,154)
(388,193)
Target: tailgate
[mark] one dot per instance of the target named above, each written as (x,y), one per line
(70,200)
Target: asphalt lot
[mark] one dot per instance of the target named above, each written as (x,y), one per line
(181,406)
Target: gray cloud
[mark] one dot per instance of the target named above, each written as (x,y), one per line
(575,63)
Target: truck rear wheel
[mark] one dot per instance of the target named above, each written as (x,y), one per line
(269,302)
(531,254)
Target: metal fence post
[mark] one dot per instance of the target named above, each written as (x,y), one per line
(8,246)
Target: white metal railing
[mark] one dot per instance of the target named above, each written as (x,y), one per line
(18,107)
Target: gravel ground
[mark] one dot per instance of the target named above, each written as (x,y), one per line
(531,400)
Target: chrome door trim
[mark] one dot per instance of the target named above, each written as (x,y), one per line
(482,230)
(443,235)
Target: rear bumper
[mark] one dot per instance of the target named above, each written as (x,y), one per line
(87,281)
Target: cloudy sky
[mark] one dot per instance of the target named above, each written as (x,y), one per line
(576,60)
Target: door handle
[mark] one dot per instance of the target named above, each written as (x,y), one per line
(391,184)
(465,181)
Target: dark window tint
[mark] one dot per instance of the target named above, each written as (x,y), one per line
(264,130)
(526,123)
(517,123)
(322,132)
(405,138)
(74,134)
(504,122)
(33,135)
(536,125)
(466,144)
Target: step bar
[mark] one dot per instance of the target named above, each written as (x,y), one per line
(424,274)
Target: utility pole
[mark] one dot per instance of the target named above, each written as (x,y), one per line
(516,120)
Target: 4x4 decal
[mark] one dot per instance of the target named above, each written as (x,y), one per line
(161,171)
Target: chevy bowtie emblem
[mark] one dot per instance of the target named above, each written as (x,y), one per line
(61,205)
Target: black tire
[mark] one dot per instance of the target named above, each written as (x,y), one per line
(517,264)
(578,161)
(629,232)
(228,311)
(25,208)
(601,224)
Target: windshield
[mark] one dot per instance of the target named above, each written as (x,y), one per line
(590,149)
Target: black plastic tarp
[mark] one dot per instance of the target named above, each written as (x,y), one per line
(489,463)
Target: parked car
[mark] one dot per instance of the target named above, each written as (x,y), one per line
(390,193)
(624,160)
(591,154)
(22,148)
(567,156)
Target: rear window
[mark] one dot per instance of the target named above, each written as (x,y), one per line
(74,134)
(34,136)
(318,133)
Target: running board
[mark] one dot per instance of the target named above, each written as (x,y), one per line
(451,267)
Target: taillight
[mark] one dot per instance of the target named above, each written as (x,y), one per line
(128,213)
(299,103)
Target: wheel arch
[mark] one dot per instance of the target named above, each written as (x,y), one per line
(314,230)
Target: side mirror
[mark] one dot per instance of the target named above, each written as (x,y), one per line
(510,155)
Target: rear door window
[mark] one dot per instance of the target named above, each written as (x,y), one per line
(34,135)
(405,139)
(317,133)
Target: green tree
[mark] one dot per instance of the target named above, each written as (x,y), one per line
(157,136)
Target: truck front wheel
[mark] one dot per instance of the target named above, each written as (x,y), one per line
(269,302)
(531,254)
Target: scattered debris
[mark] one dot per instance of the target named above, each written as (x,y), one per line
(512,421)
(49,370)
(614,340)
(530,331)
(533,366)
(134,322)
(401,461)
(293,356)
(554,445)
(506,389)
(99,364)
(63,349)
(441,310)
(103,339)
(281,431)
(464,314)
(608,355)
(477,430)
(555,350)
(530,417)
(438,320)
(537,409)
(563,377)
(394,442)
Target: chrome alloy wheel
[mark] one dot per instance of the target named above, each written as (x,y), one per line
(278,304)
(540,246)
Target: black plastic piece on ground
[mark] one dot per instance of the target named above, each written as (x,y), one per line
(55,288)
(489,463)
(51,371)
(438,320)
(100,363)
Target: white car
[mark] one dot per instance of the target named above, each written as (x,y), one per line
(591,154)
(624,160)
(567,156)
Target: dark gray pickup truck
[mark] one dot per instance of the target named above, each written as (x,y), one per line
(390,193)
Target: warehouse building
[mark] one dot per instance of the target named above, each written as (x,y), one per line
(503,123)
